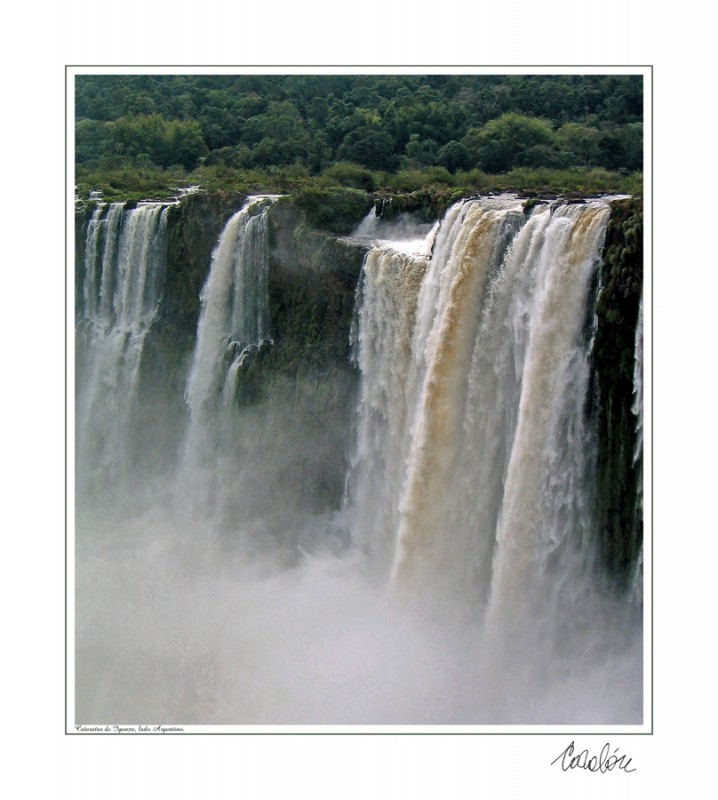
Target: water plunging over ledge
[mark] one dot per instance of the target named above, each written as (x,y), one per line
(459,583)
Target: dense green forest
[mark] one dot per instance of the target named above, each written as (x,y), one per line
(396,132)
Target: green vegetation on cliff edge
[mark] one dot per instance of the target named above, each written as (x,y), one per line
(143,135)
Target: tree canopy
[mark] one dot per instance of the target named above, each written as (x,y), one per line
(492,123)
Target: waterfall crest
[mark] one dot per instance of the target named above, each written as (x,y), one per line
(473,409)
(389,292)
(233,323)
(124,273)
(459,582)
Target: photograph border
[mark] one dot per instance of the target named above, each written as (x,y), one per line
(647,726)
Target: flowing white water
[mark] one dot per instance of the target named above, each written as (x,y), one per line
(467,598)
(390,287)
(122,288)
(233,322)
(475,449)
(403,233)
(444,339)
(478,377)
(637,407)
(637,410)
(544,494)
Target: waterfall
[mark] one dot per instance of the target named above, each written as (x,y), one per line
(389,292)
(447,322)
(233,324)
(475,443)
(637,410)
(637,406)
(460,580)
(124,272)
(545,493)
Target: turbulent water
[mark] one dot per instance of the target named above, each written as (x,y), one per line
(233,323)
(467,593)
(637,409)
(122,288)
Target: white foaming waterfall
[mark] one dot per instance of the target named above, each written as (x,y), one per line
(100,254)
(637,407)
(123,281)
(403,233)
(469,495)
(389,292)
(474,445)
(233,322)
(637,410)
(474,244)
(544,499)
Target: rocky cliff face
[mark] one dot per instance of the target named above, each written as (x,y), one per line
(194,226)
(303,386)
(619,469)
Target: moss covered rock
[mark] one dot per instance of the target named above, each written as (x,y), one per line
(304,384)
(618,473)
(337,210)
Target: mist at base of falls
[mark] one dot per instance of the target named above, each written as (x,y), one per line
(457,581)
(176,624)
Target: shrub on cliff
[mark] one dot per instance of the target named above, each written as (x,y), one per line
(351,175)
(335,210)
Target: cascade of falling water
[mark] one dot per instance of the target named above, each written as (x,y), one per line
(476,450)
(122,288)
(489,424)
(233,322)
(103,235)
(470,482)
(474,377)
(389,292)
(637,410)
(92,243)
(544,500)
(382,338)
(462,262)
(637,407)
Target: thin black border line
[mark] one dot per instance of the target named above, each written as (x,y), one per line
(359,66)
(65,319)
(650,68)
(67,244)
(653,556)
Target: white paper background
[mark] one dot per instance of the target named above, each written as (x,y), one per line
(38,40)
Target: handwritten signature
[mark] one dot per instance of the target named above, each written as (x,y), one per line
(606,761)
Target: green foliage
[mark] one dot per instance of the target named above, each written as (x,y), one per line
(130,182)
(148,181)
(141,139)
(580,143)
(371,147)
(164,142)
(335,210)
(351,175)
(412,180)
(381,123)
(94,140)
(588,181)
(510,140)
(453,156)
(419,152)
